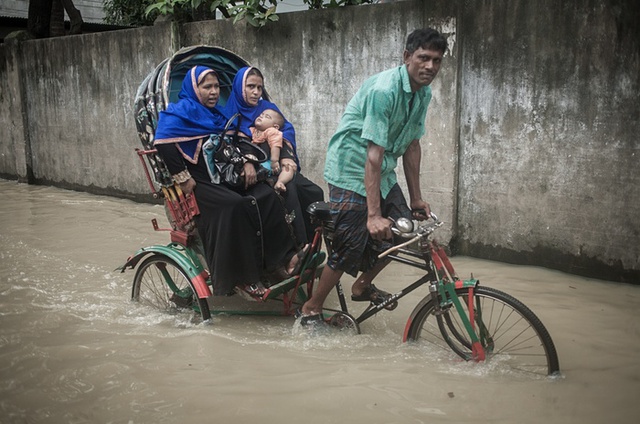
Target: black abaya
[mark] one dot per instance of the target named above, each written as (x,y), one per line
(244,233)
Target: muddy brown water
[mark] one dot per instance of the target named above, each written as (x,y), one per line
(74,349)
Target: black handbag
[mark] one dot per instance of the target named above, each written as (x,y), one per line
(225,156)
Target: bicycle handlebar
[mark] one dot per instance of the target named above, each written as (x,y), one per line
(404,228)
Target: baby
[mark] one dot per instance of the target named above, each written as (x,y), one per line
(267,128)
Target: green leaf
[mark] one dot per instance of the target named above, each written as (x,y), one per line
(252,21)
(238,16)
(270,11)
(152,7)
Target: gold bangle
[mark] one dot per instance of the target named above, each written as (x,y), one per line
(182,177)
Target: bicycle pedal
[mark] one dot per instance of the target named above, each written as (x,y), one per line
(391,306)
(180,301)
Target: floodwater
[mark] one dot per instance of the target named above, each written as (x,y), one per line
(74,349)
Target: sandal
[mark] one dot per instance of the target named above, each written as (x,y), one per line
(302,253)
(374,295)
(252,292)
(280,274)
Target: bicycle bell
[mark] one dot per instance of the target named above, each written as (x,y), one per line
(404,225)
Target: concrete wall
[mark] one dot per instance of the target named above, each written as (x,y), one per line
(550,118)
(77,96)
(13,132)
(531,154)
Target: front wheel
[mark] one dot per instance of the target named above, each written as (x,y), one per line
(508,331)
(162,284)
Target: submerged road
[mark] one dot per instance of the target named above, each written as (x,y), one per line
(74,349)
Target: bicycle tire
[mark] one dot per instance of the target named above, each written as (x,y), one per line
(514,334)
(161,283)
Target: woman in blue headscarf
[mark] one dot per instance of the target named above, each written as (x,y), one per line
(244,231)
(246,99)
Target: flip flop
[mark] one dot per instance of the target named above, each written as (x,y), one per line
(302,253)
(374,295)
(280,274)
(253,292)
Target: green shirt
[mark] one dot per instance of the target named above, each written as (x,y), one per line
(379,112)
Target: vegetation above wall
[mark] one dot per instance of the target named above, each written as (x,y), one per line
(255,12)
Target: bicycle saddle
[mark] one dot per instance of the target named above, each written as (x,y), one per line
(320,211)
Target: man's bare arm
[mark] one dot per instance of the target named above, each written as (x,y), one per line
(411,165)
(379,227)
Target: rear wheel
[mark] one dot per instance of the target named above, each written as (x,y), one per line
(509,331)
(161,283)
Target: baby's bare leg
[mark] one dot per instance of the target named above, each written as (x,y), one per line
(287,173)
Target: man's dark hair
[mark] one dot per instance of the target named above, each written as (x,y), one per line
(428,39)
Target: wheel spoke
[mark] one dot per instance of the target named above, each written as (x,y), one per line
(160,283)
(509,332)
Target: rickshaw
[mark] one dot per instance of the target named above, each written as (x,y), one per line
(476,322)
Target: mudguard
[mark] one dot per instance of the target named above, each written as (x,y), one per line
(459,284)
(183,257)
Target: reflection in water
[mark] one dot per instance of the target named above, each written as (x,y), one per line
(74,349)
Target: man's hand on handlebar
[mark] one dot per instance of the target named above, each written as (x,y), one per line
(420,210)
(379,227)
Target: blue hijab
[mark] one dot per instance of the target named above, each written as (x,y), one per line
(189,121)
(237,104)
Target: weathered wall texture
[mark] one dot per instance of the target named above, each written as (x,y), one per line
(78,93)
(550,118)
(315,62)
(12,130)
(531,154)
